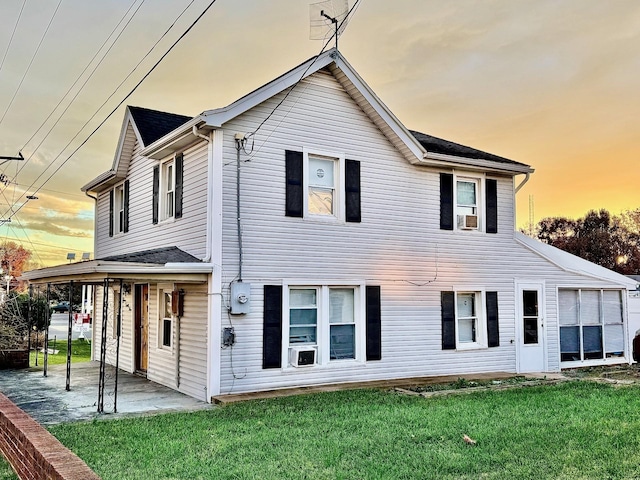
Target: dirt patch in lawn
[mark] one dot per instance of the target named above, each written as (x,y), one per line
(614,374)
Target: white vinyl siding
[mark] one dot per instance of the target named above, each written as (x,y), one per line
(189,233)
(398,245)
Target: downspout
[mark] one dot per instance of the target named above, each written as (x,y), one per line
(526,179)
(207,138)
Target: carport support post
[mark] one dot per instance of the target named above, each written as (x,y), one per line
(29,324)
(103,345)
(47,323)
(68,387)
(118,327)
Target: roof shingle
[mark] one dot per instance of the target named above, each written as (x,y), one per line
(153,124)
(157,256)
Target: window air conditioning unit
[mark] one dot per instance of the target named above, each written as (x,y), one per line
(468,222)
(302,356)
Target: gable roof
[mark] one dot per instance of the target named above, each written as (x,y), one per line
(154,124)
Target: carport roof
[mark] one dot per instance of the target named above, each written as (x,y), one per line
(168,264)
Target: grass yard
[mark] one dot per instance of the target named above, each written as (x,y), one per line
(6,473)
(575,430)
(80,352)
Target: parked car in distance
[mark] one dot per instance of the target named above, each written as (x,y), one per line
(60,307)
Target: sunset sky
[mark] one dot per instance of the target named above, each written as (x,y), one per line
(553,84)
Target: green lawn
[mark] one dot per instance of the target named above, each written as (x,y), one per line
(80,352)
(576,430)
(6,473)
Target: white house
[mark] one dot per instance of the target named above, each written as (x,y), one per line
(333,245)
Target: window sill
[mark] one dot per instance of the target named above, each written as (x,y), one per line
(594,363)
(348,363)
(167,351)
(470,346)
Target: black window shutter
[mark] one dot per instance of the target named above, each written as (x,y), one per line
(125,227)
(111,213)
(492,205)
(493,333)
(448,320)
(294,177)
(446,201)
(272,328)
(352,191)
(156,192)
(179,180)
(374,323)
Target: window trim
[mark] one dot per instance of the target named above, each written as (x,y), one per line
(481,341)
(479,180)
(339,199)
(163,288)
(625,328)
(323,323)
(119,211)
(163,190)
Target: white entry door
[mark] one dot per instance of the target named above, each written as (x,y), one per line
(530,327)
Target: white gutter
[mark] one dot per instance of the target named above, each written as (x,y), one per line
(526,179)
(448,161)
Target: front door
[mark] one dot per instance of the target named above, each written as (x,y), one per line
(530,327)
(142,327)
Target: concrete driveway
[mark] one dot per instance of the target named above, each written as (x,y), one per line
(47,401)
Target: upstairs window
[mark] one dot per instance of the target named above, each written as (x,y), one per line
(167,189)
(322,186)
(468,203)
(119,209)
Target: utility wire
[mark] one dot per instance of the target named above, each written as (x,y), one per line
(23,165)
(116,108)
(31,62)
(333,35)
(15,27)
(107,100)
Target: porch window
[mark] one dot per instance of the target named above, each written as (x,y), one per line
(591,324)
(166,319)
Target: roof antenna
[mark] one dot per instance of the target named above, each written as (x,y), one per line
(327,18)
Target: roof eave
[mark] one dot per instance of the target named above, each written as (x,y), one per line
(115,268)
(452,161)
(101,179)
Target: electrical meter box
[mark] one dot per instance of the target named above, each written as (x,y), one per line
(240,301)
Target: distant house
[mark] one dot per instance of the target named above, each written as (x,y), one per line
(335,245)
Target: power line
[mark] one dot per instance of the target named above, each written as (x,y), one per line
(335,33)
(15,27)
(193,24)
(31,62)
(78,79)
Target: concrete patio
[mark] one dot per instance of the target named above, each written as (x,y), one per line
(47,401)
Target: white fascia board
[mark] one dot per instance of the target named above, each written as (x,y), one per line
(573,264)
(381,109)
(218,117)
(452,161)
(124,268)
(100,179)
(128,119)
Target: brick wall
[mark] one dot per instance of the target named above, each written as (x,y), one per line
(14,359)
(33,452)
